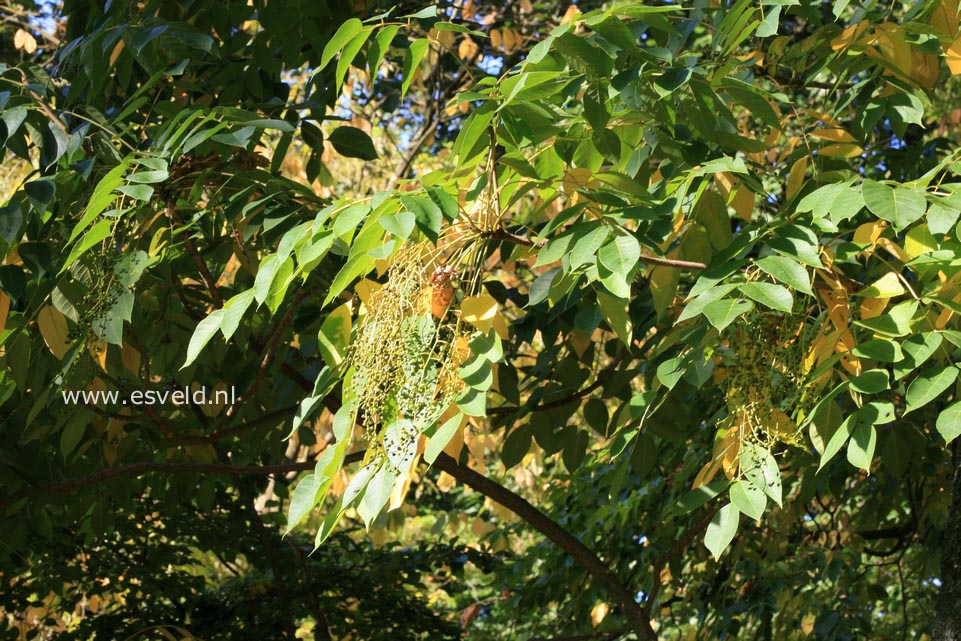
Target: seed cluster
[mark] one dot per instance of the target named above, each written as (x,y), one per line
(763,375)
(406,353)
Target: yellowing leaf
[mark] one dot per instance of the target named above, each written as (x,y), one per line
(873,307)
(53,328)
(888,286)
(893,48)
(919,240)
(926,68)
(598,613)
(796,178)
(834,134)
(850,36)
(24,41)
(483,312)
(844,150)
(570,14)
(953,57)
(365,288)
(4,309)
(868,233)
(945,18)
(130,359)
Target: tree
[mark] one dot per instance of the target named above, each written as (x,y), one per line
(636,274)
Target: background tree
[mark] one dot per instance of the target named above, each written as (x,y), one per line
(634,274)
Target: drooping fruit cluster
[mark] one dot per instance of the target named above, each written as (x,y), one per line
(409,345)
(763,374)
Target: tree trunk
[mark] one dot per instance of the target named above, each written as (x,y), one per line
(947,624)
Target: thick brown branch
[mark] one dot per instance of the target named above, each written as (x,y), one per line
(145,467)
(563,539)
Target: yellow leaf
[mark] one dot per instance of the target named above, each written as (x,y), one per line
(4,309)
(24,41)
(570,14)
(743,203)
(834,134)
(365,288)
(728,448)
(116,52)
(868,233)
(53,328)
(926,68)
(888,286)
(945,18)
(919,241)
(598,613)
(893,48)
(845,150)
(663,283)
(807,624)
(467,49)
(894,249)
(483,312)
(496,40)
(849,36)
(953,56)
(873,307)
(796,178)
(130,359)
(706,474)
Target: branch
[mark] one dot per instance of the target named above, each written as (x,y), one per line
(145,467)
(586,637)
(602,378)
(580,553)
(209,281)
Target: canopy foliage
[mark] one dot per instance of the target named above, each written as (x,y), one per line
(676,284)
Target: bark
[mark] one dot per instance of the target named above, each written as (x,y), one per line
(947,624)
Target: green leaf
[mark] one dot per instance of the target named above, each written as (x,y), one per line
(93,236)
(427,215)
(101,198)
(339,40)
(202,334)
(761,470)
(234,310)
(949,422)
(348,54)
(748,499)
(864,439)
(352,142)
(615,314)
(400,224)
(439,439)
(269,267)
(771,295)
(137,192)
(721,530)
(412,60)
(879,349)
(788,271)
(722,313)
(588,238)
(621,255)
(870,382)
(900,206)
(838,439)
(928,385)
